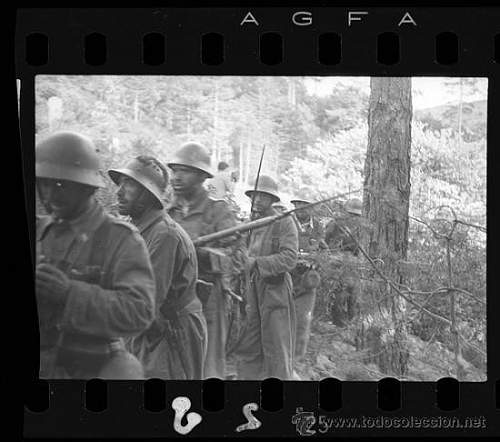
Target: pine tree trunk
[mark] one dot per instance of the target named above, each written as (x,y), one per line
(247,159)
(240,164)
(386,205)
(136,108)
(460,106)
(215,148)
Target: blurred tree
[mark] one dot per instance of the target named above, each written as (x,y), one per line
(465,85)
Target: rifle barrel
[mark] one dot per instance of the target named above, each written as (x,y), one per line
(262,222)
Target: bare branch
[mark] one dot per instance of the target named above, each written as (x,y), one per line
(390,282)
(475,226)
(471,345)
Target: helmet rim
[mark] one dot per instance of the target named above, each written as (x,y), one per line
(145,182)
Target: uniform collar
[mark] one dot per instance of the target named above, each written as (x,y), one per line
(197,205)
(309,224)
(149,218)
(86,223)
(271,211)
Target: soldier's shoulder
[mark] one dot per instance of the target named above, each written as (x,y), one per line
(219,206)
(168,226)
(171,206)
(289,222)
(218,202)
(121,224)
(42,222)
(172,229)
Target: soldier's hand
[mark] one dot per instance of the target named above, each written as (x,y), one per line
(250,263)
(247,261)
(51,283)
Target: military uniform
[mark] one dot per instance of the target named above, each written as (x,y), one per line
(111,296)
(337,239)
(348,286)
(175,345)
(266,347)
(203,216)
(306,280)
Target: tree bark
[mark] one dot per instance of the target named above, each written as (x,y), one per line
(386,204)
(136,108)
(215,147)
(460,109)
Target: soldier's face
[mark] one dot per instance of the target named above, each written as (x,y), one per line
(129,193)
(186,179)
(302,215)
(262,202)
(63,199)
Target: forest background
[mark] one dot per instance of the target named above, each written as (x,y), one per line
(315,133)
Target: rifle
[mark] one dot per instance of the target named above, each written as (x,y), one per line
(257,179)
(262,222)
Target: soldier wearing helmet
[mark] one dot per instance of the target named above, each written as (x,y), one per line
(346,292)
(200,215)
(94,280)
(311,232)
(334,236)
(174,346)
(306,278)
(280,207)
(267,344)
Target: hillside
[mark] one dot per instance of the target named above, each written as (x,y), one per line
(332,353)
(446,116)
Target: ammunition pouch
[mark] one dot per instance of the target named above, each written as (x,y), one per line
(311,279)
(86,353)
(203,291)
(301,268)
(306,283)
(172,310)
(275,279)
(74,361)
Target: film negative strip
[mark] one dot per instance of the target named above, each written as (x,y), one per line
(328,167)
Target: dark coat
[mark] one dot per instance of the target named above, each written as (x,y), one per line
(173,257)
(103,305)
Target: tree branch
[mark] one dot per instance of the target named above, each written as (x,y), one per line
(389,281)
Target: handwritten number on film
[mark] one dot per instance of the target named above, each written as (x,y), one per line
(252,422)
(182,404)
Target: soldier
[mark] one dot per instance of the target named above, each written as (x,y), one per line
(310,229)
(94,281)
(174,347)
(334,235)
(306,278)
(267,344)
(348,285)
(200,215)
(280,207)
(221,186)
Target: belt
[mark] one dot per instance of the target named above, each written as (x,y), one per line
(181,307)
(91,344)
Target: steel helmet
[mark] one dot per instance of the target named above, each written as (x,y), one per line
(280,205)
(354,206)
(147,172)
(193,155)
(298,199)
(265,185)
(68,156)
